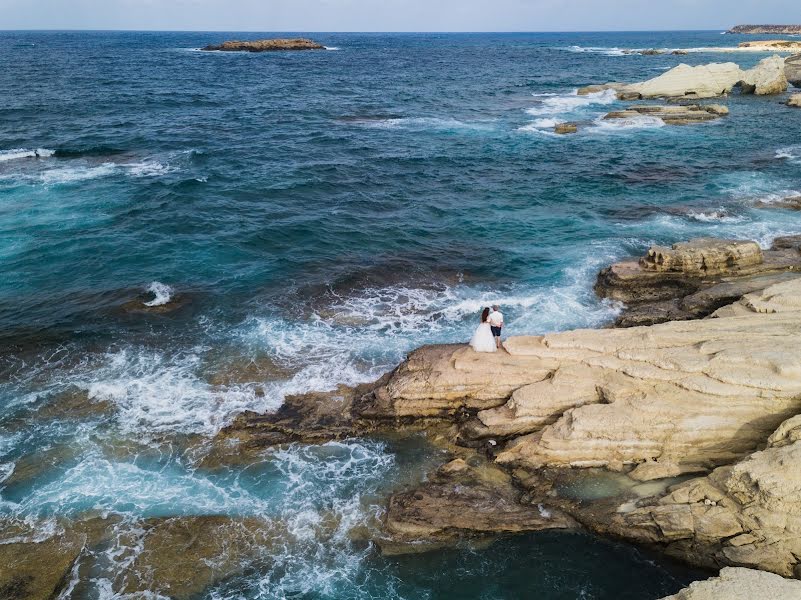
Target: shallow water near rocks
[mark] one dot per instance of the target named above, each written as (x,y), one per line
(300,221)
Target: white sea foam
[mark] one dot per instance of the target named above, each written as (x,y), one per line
(720,215)
(606,51)
(427,123)
(789,153)
(162,294)
(154,392)
(18,153)
(6,470)
(66,175)
(561,104)
(631,123)
(332,48)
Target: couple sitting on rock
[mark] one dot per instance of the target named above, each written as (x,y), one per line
(487,337)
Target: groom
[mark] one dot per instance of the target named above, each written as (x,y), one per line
(495,320)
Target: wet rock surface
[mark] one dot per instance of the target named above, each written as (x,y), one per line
(462,500)
(673,115)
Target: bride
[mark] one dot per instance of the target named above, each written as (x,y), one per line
(482,339)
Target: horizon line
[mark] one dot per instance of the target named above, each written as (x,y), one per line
(87,30)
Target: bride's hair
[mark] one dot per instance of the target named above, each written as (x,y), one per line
(484,315)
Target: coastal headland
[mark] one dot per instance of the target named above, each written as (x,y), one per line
(766,29)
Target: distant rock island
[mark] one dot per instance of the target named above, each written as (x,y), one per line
(266,45)
(772,29)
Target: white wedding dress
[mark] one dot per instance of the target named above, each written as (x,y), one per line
(483,340)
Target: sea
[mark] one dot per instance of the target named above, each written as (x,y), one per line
(295,221)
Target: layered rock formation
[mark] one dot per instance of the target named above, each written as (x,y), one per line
(741,584)
(705,81)
(691,280)
(792,69)
(746,514)
(265,45)
(673,115)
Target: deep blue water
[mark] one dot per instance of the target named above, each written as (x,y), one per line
(323,213)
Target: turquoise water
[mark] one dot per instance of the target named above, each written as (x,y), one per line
(323,213)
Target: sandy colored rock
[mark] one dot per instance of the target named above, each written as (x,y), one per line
(266,45)
(792,69)
(741,584)
(673,115)
(794,101)
(693,279)
(686,396)
(563,128)
(710,81)
(703,256)
(746,514)
(769,45)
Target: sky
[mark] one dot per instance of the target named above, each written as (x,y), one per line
(394,15)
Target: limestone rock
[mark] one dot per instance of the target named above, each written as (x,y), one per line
(266,45)
(462,501)
(794,101)
(769,45)
(710,81)
(563,128)
(693,279)
(673,115)
(746,514)
(685,395)
(182,556)
(741,584)
(767,78)
(703,256)
(792,69)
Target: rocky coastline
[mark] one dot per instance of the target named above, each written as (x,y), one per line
(695,420)
(690,424)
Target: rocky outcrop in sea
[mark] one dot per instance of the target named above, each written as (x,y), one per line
(265,45)
(704,81)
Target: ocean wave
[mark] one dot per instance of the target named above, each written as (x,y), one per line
(606,51)
(6,155)
(154,392)
(65,173)
(332,48)
(560,104)
(162,294)
(426,123)
(789,153)
(721,215)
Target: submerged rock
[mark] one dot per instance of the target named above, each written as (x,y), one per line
(182,556)
(741,584)
(460,501)
(265,45)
